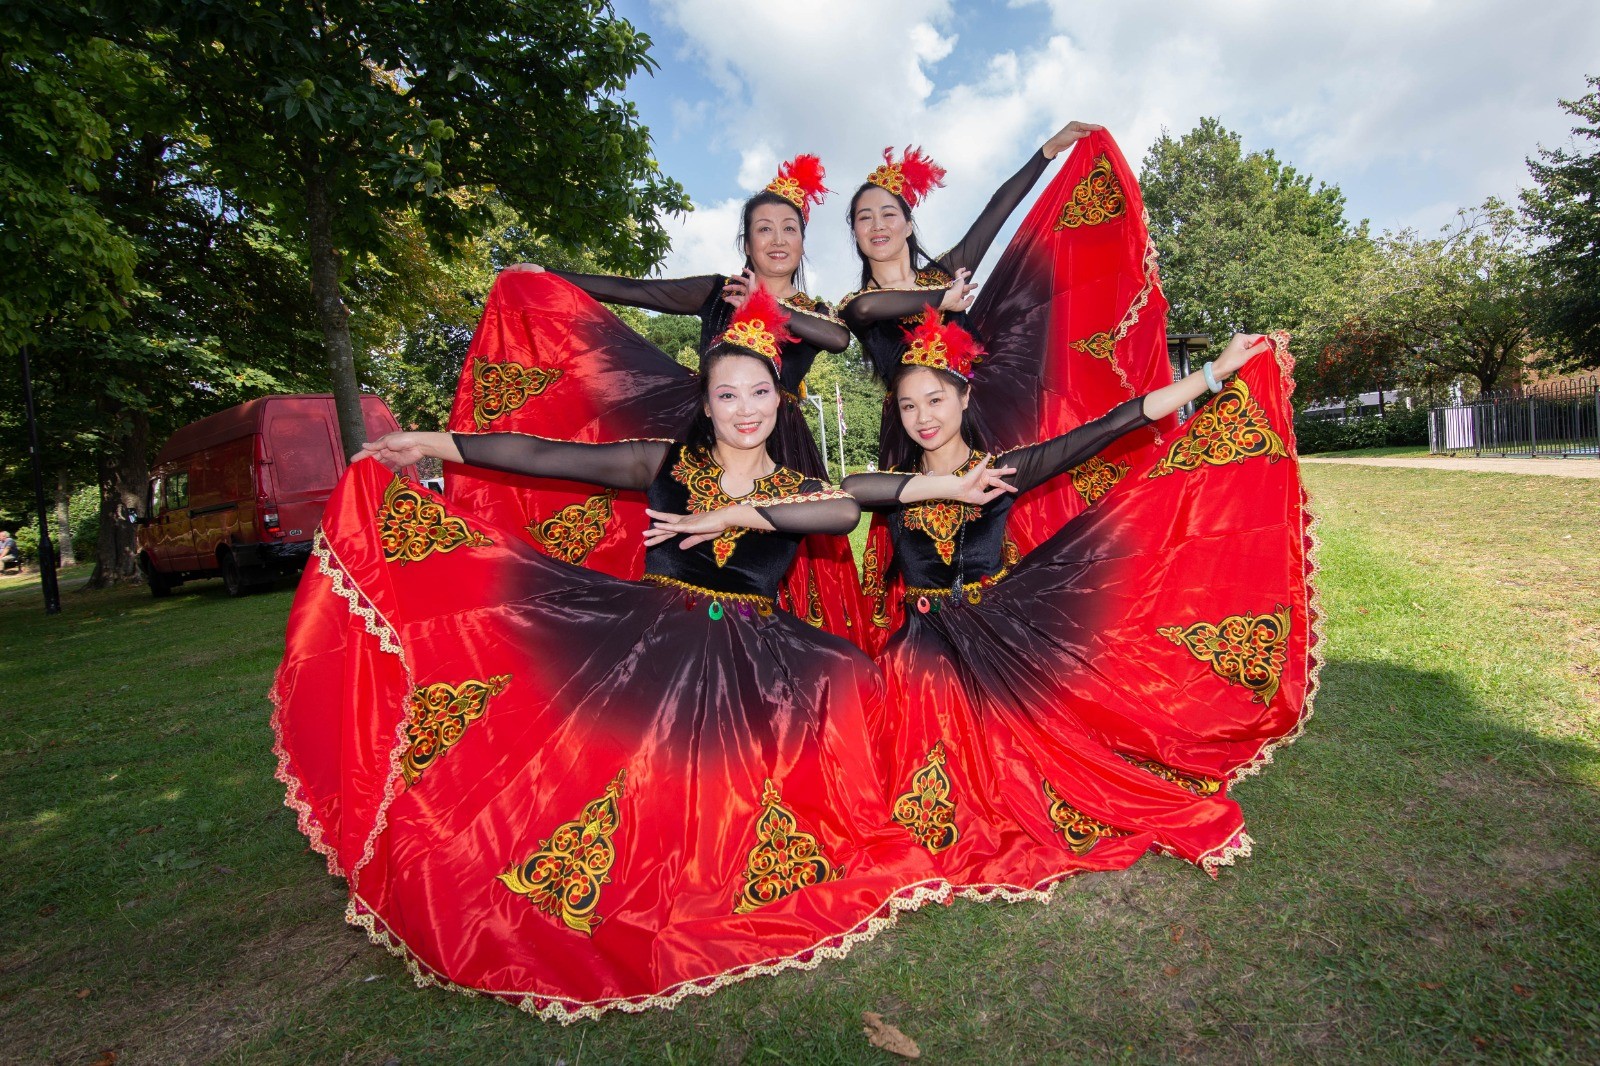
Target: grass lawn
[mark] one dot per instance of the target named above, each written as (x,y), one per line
(1425,887)
(1405,451)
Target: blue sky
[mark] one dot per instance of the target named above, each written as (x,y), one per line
(1414,108)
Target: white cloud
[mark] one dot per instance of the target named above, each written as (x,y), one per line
(1414,107)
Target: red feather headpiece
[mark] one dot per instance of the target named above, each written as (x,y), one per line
(941,345)
(760,326)
(800,182)
(910,179)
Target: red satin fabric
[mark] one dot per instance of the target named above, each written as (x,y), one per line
(585,376)
(583,681)
(1064,671)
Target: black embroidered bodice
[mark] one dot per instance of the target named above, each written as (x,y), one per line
(879,317)
(939,544)
(678,479)
(810,319)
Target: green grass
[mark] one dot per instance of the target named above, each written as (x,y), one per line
(1426,884)
(1406,451)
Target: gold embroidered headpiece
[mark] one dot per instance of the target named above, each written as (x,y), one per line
(760,326)
(912,178)
(941,345)
(800,182)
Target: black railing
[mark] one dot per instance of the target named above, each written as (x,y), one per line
(1561,419)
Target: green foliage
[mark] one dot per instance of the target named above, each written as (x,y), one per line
(1396,428)
(862,396)
(1564,209)
(61,260)
(1245,240)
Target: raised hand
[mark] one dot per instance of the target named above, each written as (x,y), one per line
(961,293)
(983,483)
(1067,136)
(1241,348)
(693,528)
(524,268)
(393,450)
(737,289)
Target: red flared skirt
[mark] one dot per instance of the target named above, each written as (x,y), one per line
(568,790)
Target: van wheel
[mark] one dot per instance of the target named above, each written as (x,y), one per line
(233,576)
(161,586)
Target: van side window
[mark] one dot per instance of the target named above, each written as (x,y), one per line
(177,491)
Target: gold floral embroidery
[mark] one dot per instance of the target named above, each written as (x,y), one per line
(1097,198)
(412,526)
(1080,831)
(813,600)
(438,716)
(932,277)
(1010,554)
(1196,783)
(1100,345)
(500,388)
(873,586)
(702,476)
(1229,429)
(564,876)
(941,520)
(809,305)
(1243,649)
(926,811)
(1095,477)
(572,532)
(784,858)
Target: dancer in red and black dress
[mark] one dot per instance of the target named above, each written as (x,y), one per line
(548,359)
(578,792)
(1072,710)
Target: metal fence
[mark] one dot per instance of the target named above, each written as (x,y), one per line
(1562,420)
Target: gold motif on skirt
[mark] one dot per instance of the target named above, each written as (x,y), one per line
(1243,649)
(926,811)
(412,526)
(1094,477)
(873,586)
(1081,832)
(500,388)
(437,716)
(572,532)
(1097,198)
(813,599)
(1010,554)
(1229,429)
(1196,783)
(1099,345)
(784,859)
(563,878)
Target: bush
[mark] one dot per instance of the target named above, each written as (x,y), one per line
(84,514)
(1399,428)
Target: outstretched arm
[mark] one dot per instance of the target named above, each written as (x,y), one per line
(817,509)
(885,491)
(624,465)
(970,250)
(1039,463)
(675,296)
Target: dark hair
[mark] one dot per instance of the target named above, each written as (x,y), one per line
(896,449)
(912,245)
(791,443)
(742,243)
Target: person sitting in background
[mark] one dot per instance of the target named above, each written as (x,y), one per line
(10,557)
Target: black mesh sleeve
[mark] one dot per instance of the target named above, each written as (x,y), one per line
(676,296)
(625,465)
(819,331)
(881,304)
(1038,463)
(877,491)
(836,513)
(969,252)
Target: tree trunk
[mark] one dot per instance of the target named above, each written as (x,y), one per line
(331,312)
(64,520)
(124,471)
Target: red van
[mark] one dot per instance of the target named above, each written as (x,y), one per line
(239,493)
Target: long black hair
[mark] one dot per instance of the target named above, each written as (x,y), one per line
(791,443)
(742,242)
(919,258)
(897,450)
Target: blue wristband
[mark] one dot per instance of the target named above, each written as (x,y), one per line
(1211,380)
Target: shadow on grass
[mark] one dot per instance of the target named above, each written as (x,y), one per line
(1425,887)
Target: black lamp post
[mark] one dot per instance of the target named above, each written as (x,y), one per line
(47,549)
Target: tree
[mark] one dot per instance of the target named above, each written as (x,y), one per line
(1460,304)
(342,112)
(1245,240)
(1564,209)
